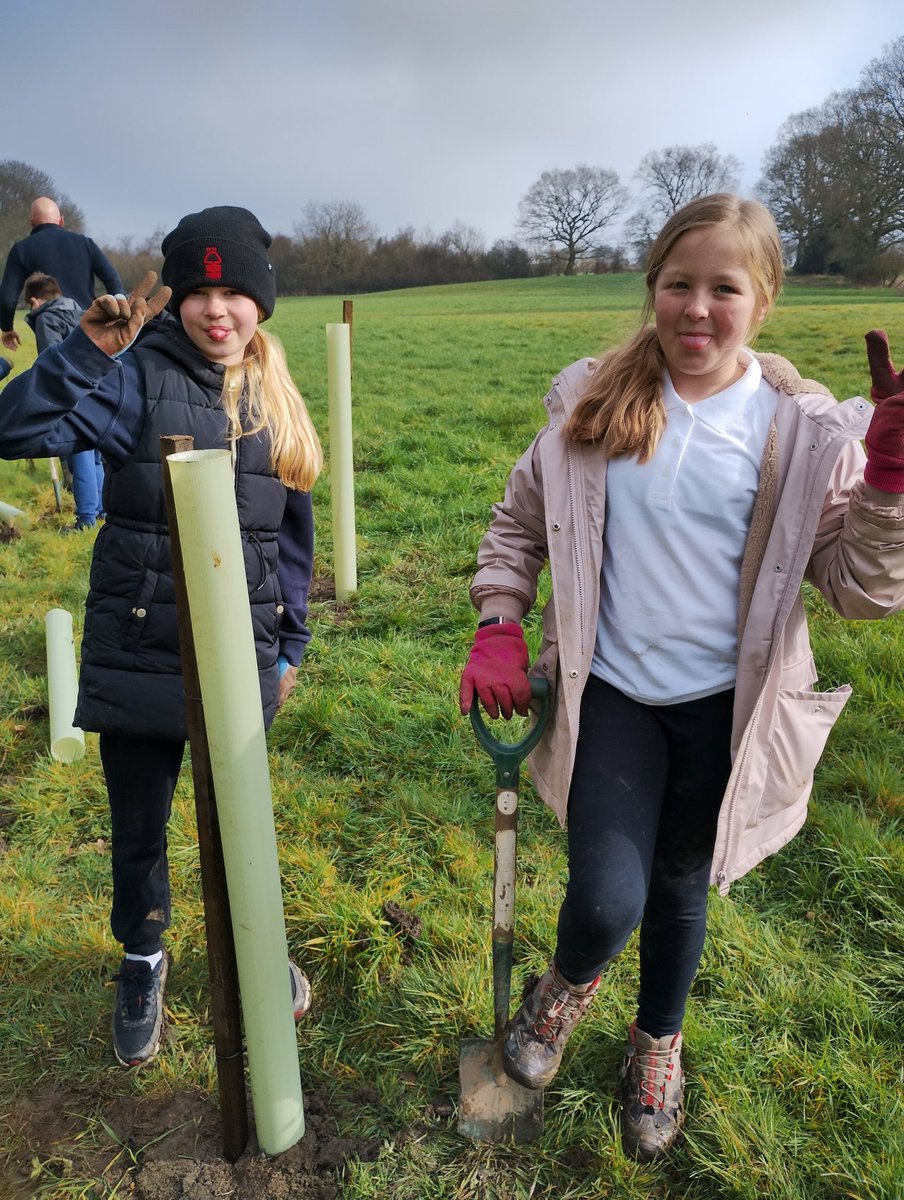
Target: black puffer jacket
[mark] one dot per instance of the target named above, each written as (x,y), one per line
(131,679)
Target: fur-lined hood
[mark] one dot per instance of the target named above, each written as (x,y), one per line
(784,376)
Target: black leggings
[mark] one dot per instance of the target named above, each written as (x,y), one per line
(141,775)
(642,811)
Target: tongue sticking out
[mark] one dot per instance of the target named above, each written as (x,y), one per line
(218,334)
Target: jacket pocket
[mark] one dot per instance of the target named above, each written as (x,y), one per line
(135,620)
(801,728)
(546,664)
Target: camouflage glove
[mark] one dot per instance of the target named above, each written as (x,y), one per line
(114,322)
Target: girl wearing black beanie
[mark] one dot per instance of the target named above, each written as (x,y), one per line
(129,374)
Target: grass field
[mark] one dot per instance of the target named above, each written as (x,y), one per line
(794,1059)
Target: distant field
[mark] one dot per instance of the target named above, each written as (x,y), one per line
(794,1028)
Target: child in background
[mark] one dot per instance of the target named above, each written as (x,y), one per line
(682,491)
(208,371)
(53,317)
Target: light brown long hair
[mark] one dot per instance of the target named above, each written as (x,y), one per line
(259,395)
(622,408)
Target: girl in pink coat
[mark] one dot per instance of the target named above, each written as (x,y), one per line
(681,492)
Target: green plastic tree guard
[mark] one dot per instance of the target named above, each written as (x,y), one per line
(342,468)
(204,498)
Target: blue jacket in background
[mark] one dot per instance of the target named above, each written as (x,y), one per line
(53,321)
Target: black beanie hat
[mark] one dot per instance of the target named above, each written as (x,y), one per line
(219,247)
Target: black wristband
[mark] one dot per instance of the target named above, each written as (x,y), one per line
(491,621)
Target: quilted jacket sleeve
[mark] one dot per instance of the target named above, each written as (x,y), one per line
(74,398)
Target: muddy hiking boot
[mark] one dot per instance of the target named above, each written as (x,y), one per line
(536,1035)
(138,1015)
(652,1094)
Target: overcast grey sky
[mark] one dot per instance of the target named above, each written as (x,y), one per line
(424,112)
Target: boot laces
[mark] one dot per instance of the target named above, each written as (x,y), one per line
(655,1068)
(560,1009)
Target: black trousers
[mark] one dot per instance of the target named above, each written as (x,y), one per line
(141,775)
(642,811)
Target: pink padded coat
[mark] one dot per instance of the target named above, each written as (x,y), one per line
(814,518)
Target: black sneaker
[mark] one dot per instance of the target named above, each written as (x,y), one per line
(138,1015)
(301,991)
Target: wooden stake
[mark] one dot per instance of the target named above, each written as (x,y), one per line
(348,318)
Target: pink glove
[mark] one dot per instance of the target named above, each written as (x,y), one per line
(885,436)
(497,671)
(886,380)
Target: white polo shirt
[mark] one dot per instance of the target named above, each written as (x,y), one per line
(676,528)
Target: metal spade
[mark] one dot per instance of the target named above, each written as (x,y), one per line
(492,1107)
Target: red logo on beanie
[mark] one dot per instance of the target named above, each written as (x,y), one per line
(213,264)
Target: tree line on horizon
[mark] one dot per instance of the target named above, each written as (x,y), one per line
(834,180)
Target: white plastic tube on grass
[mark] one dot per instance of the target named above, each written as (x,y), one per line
(342,467)
(204,498)
(9,513)
(67,744)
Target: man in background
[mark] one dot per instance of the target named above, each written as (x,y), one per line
(71,258)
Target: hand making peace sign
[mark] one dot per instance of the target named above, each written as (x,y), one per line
(114,322)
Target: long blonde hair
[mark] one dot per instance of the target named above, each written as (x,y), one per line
(622,408)
(260,396)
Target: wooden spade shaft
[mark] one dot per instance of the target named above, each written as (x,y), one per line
(492,1106)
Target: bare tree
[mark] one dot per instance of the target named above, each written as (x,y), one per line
(835,178)
(133,259)
(337,221)
(672,177)
(564,209)
(334,238)
(798,187)
(465,241)
(871,164)
(640,234)
(19,185)
(883,81)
